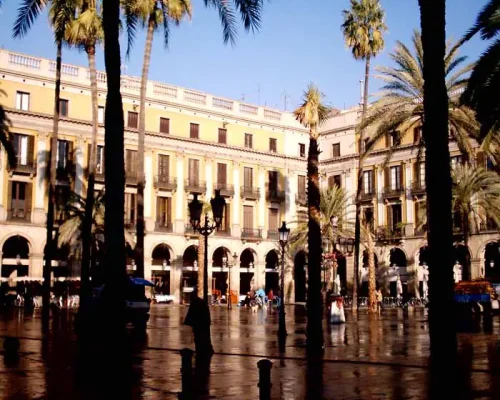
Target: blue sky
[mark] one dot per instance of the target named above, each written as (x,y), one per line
(300,41)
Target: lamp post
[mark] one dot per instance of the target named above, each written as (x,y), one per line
(283,236)
(228,293)
(195,210)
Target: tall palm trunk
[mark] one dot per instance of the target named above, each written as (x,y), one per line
(139,246)
(201,264)
(357,226)
(89,202)
(466,269)
(439,185)
(50,245)
(314,295)
(114,156)
(372,283)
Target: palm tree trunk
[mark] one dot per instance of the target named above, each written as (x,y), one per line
(372,284)
(89,202)
(114,156)
(357,225)
(314,295)
(466,273)
(439,185)
(201,265)
(50,245)
(139,246)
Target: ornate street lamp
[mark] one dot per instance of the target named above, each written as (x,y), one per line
(195,210)
(284,232)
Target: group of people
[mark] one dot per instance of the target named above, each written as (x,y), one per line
(258,299)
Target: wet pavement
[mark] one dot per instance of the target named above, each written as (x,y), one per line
(382,357)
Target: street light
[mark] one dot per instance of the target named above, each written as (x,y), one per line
(283,237)
(195,210)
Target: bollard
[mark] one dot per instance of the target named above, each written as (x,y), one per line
(265,385)
(187,374)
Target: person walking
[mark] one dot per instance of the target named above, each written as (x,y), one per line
(379,296)
(270,298)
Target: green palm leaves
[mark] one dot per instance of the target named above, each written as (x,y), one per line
(400,104)
(363,28)
(312,112)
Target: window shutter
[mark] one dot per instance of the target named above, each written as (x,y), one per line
(221,174)
(401,178)
(387,177)
(222,136)
(331,182)
(168,211)
(70,153)
(389,216)
(387,140)
(481,159)
(302,184)
(248,217)
(417,132)
(9,196)
(31,150)
(88,155)
(164,125)
(247,179)
(158,210)
(227,217)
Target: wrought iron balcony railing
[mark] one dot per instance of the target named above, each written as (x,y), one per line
(225,189)
(250,233)
(164,182)
(161,226)
(417,187)
(250,193)
(393,191)
(27,167)
(19,215)
(195,186)
(276,196)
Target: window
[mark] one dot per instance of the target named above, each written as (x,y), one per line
(273,181)
(248,140)
(301,179)
(273,219)
(164,211)
(222,136)
(130,161)
(368,182)
(392,139)
(23,101)
(20,199)
(247,217)
(64,153)
(193,171)
(63,107)
(132,119)
(273,145)
(130,204)
(417,134)
(100,160)
(364,144)
(421,172)
(221,175)
(163,165)
(302,150)
(368,215)
(23,148)
(100,114)
(336,150)
(248,177)
(226,218)
(394,216)
(456,160)
(164,125)
(420,215)
(194,131)
(395,177)
(63,193)
(337,179)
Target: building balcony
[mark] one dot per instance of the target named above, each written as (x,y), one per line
(99,176)
(250,193)
(163,182)
(488,226)
(195,186)
(301,199)
(189,231)
(162,226)
(368,195)
(417,188)
(18,216)
(129,223)
(275,196)
(223,232)
(393,191)
(389,233)
(225,189)
(250,233)
(273,234)
(26,168)
(65,173)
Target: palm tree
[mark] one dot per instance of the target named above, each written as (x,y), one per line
(152,14)
(436,110)
(61,13)
(363,30)
(480,92)
(114,159)
(6,136)
(72,230)
(476,196)
(312,113)
(400,105)
(85,32)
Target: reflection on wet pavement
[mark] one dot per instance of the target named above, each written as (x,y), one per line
(367,358)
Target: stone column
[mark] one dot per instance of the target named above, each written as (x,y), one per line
(409,200)
(39,214)
(180,205)
(260,275)
(36,265)
(80,143)
(176,280)
(350,271)
(148,190)
(289,281)
(235,279)
(261,208)
(477,268)
(380,190)
(236,204)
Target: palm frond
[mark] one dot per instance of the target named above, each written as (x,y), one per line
(6,137)
(227,19)
(487,22)
(27,13)
(312,113)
